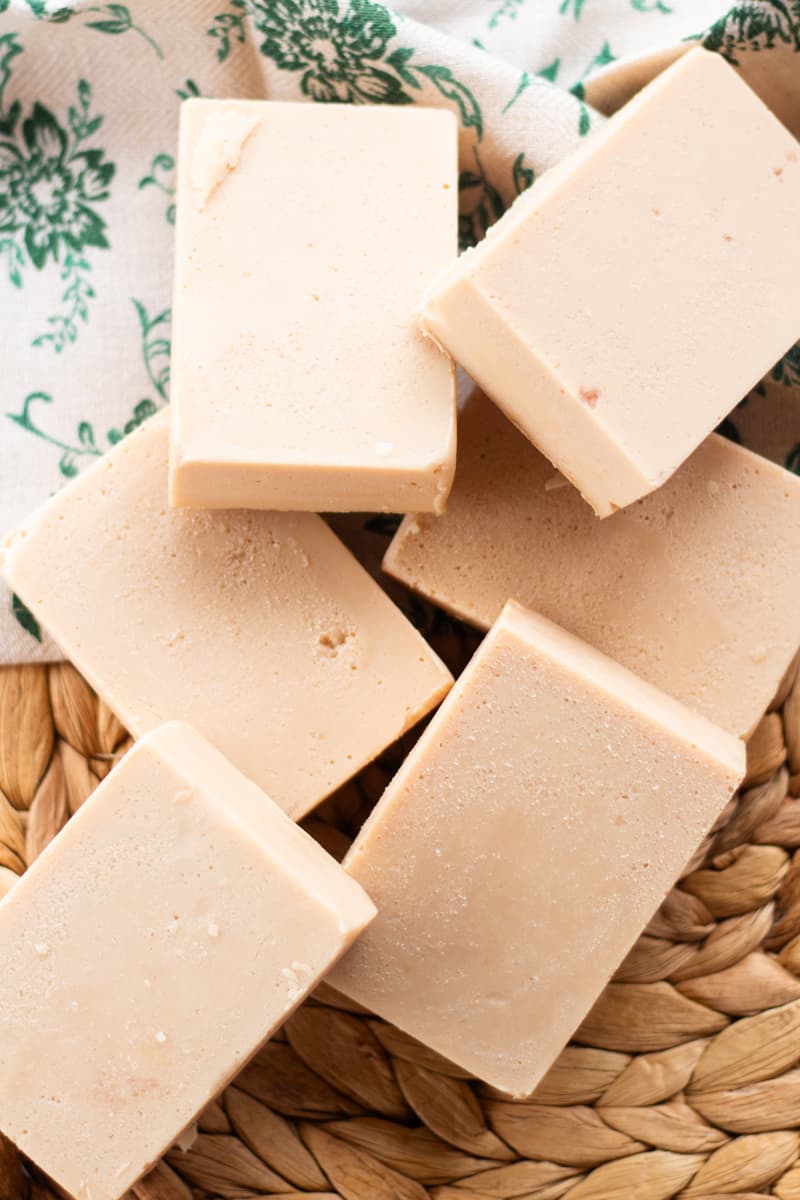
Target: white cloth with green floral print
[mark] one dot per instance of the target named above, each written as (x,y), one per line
(89,96)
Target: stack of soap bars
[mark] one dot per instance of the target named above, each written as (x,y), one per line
(627,563)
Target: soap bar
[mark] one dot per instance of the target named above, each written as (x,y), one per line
(687,587)
(168,930)
(522,846)
(631,297)
(259,629)
(305,235)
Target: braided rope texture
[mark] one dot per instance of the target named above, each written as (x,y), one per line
(683,1081)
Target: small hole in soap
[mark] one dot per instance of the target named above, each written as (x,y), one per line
(332,642)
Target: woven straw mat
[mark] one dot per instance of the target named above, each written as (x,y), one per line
(684,1080)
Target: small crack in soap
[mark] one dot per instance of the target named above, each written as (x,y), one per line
(218,150)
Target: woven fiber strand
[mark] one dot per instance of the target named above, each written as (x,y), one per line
(683,1081)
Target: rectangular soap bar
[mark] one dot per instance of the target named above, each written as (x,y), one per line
(687,587)
(260,629)
(305,236)
(168,930)
(522,846)
(634,295)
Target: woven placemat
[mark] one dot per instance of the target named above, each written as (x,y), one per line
(683,1081)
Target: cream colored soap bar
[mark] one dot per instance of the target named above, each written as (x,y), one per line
(688,587)
(258,628)
(522,846)
(305,236)
(633,295)
(159,940)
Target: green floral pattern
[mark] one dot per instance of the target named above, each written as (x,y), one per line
(757,25)
(86,444)
(347,52)
(51,184)
(508,10)
(480,202)
(105,18)
(337,53)
(10,48)
(160,176)
(341,53)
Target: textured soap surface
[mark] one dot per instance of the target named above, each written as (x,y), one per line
(635,293)
(523,845)
(258,628)
(167,931)
(688,587)
(306,234)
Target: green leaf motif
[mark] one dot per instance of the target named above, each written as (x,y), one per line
(115,18)
(584,117)
(10,47)
(86,435)
(161,169)
(106,18)
(155,347)
(78,292)
(143,410)
(525,81)
(572,7)
(14,260)
(398,60)
(604,56)
(155,350)
(754,25)
(25,618)
(229,29)
(40,11)
(651,6)
(508,10)
(480,204)
(481,201)
(188,91)
(70,452)
(444,80)
(523,176)
(550,73)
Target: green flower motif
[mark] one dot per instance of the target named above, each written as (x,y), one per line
(341,53)
(50,183)
(48,189)
(337,52)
